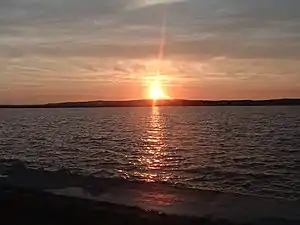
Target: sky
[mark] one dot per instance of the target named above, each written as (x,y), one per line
(74,50)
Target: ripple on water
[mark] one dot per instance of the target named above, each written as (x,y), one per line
(233,149)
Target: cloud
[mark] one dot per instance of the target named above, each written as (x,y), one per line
(190,49)
(107,28)
(51,43)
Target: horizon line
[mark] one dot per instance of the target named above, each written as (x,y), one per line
(157,100)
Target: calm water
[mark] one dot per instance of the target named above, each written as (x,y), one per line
(249,150)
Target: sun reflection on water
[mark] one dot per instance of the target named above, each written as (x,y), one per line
(152,162)
(152,159)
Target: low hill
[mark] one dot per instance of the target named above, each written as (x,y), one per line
(171,102)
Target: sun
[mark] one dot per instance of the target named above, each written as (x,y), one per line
(156,91)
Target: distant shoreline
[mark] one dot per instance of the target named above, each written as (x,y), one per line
(172,102)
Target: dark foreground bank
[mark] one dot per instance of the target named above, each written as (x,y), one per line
(25,206)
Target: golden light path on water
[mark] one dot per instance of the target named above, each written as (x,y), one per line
(151,161)
(152,158)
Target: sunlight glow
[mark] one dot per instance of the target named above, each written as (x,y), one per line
(156,91)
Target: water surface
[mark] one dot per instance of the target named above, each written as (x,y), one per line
(248,150)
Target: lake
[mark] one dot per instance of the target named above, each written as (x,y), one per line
(245,150)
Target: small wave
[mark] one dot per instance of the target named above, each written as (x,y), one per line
(213,171)
(89,210)
(160,196)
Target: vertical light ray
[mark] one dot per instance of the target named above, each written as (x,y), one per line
(163,34)
(156,91)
